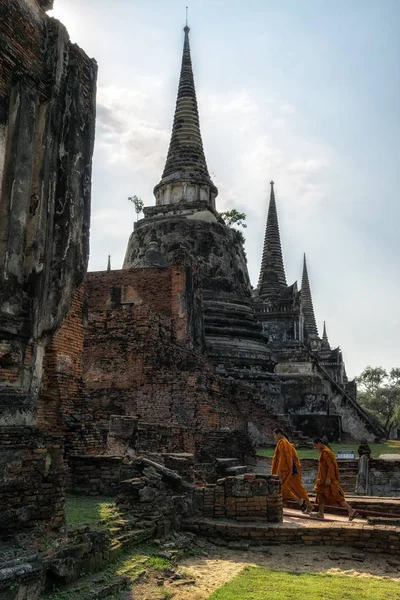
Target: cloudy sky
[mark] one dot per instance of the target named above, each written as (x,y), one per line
(304,93)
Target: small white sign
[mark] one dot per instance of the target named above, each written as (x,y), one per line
(346,454)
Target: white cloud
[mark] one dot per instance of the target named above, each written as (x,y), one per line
(129,132)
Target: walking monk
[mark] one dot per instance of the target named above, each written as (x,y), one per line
(284,465)
(327,485)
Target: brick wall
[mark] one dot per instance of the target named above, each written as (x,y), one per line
(369,538)
(245,498)
(32,490)
(112,289)
(62,387)
(62,405)
(101,475)
(47,115)
(129,433)
(23,39)
(384,477)
(217,443)
(94,475)
(143,358)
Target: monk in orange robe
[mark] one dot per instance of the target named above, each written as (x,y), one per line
(327,485)
(283,465)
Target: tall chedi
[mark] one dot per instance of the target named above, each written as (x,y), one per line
(185,177)
(186,223)
(277,304)
(308,310)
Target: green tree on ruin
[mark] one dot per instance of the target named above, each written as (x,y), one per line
(233,218)
(137,203)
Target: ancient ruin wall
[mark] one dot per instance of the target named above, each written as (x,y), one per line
(47,114)
(138,362)
(47,118)
(248,497)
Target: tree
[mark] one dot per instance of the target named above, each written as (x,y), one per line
(380,394)
(372,378)
(137,203)
(235,218)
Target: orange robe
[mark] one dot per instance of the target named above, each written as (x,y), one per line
(282,464)
(327,467)
(296,484)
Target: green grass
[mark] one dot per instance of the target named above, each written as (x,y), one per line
(89,509)
(138,564)
(258,583)
(390,447)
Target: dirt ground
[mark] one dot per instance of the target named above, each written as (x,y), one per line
(204,574)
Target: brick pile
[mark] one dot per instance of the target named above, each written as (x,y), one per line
(155,493)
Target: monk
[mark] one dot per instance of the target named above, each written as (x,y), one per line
(283,465)
(327,485)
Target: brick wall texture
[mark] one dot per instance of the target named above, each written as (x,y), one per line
(32,490)
(248,497)
(142,359)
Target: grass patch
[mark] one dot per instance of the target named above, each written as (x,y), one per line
(389,447)
(139,564)
(89,509)
(258,583)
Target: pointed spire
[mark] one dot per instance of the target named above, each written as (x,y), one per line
(109,263)
(307,303)
(325,345)
(272,274)
(186,162)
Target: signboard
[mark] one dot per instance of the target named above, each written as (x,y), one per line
(346,454)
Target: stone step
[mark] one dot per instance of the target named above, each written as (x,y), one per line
(226,463)
(238,470)
(98,587)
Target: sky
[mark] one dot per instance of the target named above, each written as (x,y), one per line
(304,93)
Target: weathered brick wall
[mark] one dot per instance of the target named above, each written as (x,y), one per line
(147,363)
(47,111)
(384,477)
(245,498)
(369,538)
(23,51)
(101,475)
(112,289)
(47,117)
(62,405)
(62,387)
(130,433)
(217,443)
(32,490)
(94,475)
